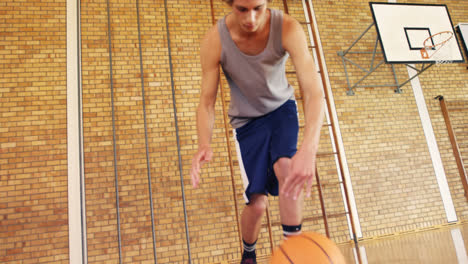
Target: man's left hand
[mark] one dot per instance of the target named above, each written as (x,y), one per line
(302,171)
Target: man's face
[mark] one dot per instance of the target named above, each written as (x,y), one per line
(250,14)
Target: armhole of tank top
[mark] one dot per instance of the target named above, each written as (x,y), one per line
(278,38)
(220,28)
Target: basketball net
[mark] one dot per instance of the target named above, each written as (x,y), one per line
(436,48)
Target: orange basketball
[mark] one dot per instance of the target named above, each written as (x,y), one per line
(307,248)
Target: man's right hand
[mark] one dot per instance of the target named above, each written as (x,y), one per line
(203,155)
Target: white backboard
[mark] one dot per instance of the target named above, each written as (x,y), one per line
(403,28)
(463,30)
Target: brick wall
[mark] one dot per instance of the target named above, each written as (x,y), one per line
(211,217)
(33,135)
(451,81)
(390,167)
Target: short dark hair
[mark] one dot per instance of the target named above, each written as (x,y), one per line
(229,2)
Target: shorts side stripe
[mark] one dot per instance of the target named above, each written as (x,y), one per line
(245,180)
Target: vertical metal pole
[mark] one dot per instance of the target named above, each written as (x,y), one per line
(148,166)
(114,138)
(171,68)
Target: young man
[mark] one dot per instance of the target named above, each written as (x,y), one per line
(252,44)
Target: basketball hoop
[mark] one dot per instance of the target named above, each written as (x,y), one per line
(434,47)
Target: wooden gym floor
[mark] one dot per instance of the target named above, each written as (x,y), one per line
(439,245)
(444,245)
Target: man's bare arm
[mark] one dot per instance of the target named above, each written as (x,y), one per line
(303,163)
(209,56)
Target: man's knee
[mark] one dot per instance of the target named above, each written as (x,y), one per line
(258,205)
(281,168)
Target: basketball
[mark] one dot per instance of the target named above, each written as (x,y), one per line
(307,248)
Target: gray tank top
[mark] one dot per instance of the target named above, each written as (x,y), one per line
(258,83)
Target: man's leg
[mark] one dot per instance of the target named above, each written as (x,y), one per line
(251,222)
(251,219)
(290,210)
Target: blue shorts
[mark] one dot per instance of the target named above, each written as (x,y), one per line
(261,142)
